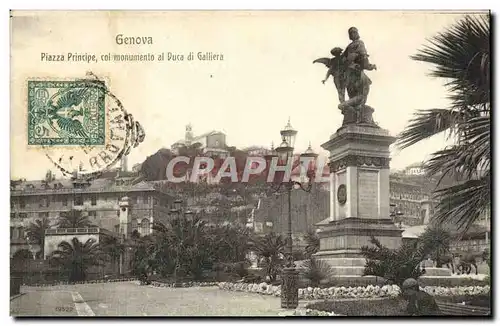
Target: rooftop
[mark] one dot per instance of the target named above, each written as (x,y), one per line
(126,184)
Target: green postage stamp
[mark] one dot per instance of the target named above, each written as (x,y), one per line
(66,113)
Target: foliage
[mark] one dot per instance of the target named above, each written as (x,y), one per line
(439,241)
(73,219)
(316,271)
(75,257)
(36,233)
(144,259)
(461,56)
(312,243)
(385,307)
(395,265)
(271,249)
(112,247)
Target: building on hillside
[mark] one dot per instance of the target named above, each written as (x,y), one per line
(119,204)
(415,169)
(212,143)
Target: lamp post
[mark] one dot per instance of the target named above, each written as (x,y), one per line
(179,211)
(289,278)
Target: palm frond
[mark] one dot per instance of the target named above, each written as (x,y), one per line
(427,123)
(461,55)
(462,204)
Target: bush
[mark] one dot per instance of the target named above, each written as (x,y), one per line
(253,279)
(366,307)
(316,271)
(394,265)
(299,255)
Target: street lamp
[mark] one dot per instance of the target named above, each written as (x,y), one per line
(188,214)
(289,278)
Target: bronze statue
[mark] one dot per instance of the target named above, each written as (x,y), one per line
(336,70)
(347,69)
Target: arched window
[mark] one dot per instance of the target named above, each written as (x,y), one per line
(145,226)
(134,224)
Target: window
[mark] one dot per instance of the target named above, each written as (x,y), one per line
(93,214)
(47,202)
(11,204)
(41,203)
(134,224)
(145,226)
(117,228)
(12,215)
(43,215)
(93,200)
(12,231)
(20,232)
(118,213)
(155,201)
(65,201)
(145,199)
(23,215)
(22,203)
(78,200)
(133,199)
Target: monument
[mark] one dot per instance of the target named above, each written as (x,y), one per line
(359,168)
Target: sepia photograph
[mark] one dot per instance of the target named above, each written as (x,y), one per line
(282,163)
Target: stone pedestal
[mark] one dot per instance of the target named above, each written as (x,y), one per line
(359,197)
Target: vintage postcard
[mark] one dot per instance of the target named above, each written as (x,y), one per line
(250,163)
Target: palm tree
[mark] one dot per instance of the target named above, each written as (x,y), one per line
(73,219)
(461,55)
(114,248)
(75,257)
(438,240)
(271,248)
(36,233)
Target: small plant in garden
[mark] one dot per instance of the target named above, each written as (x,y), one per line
(394,265)
(271,249)
(316,271)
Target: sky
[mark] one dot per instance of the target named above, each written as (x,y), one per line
(266,77)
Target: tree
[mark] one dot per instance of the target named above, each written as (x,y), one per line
(73,219)
(113,248)
(36,233)
(439,241)
(271,249)
(20,260)
(75,257)
(461,55)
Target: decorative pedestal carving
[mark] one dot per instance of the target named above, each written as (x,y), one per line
(359,194)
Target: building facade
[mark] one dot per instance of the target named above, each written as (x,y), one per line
(100,200)
(212,143)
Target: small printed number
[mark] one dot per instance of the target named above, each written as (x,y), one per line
(64,308)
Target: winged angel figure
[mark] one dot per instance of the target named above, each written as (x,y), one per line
(336,70)
(65,113)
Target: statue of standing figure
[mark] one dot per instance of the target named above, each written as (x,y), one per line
(347,69)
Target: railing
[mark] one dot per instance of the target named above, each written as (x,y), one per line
(453,309)
(38,191)
(94,230)
(73,230)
